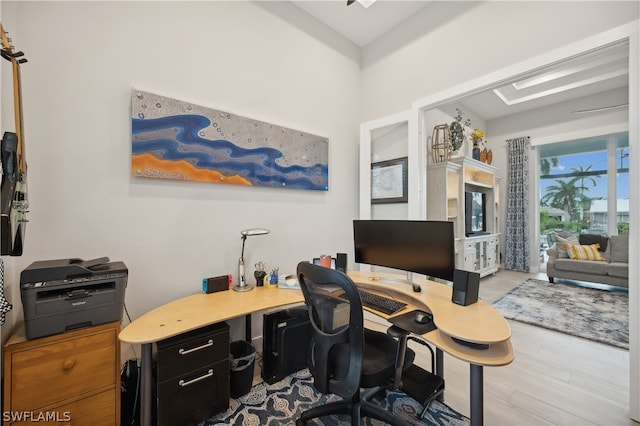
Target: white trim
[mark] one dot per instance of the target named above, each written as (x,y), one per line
(634,224)
(528,67)
(365,159)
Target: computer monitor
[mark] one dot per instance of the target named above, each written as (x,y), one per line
(413,246)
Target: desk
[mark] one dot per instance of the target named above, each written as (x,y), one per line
(479,323)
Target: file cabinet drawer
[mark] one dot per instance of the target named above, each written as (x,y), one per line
(69,368)
(181,354)
(193,397)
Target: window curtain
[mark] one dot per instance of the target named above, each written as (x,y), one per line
(516,252)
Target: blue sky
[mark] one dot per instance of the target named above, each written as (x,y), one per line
(598,161)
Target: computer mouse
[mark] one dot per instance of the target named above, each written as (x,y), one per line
(423,317)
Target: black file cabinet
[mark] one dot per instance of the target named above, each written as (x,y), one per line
(193,375)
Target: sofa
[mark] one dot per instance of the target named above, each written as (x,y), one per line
(612,268)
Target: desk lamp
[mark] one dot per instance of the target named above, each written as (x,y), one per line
(242,283)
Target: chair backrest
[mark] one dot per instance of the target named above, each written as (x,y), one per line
(335,311)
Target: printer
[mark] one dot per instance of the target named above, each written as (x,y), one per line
(66,294)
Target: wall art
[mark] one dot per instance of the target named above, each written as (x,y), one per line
(389,181)
(173,139)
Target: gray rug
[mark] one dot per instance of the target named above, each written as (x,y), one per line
(599,315)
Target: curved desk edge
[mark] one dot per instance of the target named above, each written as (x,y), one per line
(498,354)
(477,323)
(201,309)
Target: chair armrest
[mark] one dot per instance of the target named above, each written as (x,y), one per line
(552,252)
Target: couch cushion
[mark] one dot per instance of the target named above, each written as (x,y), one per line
(588,239)
(579,252)
(583,266)
(619,269)
(619,248)
(562,242)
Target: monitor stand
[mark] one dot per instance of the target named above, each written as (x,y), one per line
(409,280)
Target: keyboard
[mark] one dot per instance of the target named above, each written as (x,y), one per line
(379,303)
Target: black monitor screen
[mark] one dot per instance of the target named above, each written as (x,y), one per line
(423,247)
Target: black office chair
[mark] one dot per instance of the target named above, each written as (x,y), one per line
(343,355)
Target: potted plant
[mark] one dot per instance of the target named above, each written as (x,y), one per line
(457,130)
(477,137)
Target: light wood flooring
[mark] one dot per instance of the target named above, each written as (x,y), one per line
(555,379)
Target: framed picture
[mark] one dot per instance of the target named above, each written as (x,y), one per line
(389,181)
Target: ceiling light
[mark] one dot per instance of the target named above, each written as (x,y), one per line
(364,3)
(606,108)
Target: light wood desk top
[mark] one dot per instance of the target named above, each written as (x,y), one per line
(479,322)
(201,309)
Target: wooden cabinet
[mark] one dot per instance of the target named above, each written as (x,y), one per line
(71,378)
(446,200)
(481,254)
(193,375)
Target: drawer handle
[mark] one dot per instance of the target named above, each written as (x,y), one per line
(68,364)
(188,351)
(197,379)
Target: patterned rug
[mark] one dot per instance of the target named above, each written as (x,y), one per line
(599,315)
(281,404)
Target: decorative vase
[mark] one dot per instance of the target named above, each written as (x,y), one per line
(441,144)
(475,154)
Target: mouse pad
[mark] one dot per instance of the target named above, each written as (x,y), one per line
(407,322)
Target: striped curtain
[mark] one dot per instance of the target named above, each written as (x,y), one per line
(516,251)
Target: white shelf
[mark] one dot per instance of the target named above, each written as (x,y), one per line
(478,184)
(447,184)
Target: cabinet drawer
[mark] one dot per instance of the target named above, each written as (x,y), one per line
(190,351)
(69,368)
(194,396)
(96,410)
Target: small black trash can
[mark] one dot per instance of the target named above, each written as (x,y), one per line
(242,359)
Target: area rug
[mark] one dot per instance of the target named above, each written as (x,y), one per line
(282,403)
(598,315)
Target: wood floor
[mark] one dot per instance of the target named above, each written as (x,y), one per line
(555,379)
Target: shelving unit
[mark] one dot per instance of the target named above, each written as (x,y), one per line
(448,183)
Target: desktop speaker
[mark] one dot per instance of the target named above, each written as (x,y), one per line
(465,287)
(341,262)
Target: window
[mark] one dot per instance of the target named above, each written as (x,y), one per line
(584,187)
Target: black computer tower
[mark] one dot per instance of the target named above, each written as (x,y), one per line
(286,339)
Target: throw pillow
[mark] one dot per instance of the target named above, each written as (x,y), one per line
(562,242)
(590,252)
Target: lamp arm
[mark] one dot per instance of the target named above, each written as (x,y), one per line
(244,238)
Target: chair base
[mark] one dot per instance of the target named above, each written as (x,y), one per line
(355,408)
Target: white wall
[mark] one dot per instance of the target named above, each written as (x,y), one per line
(242,57)
(449,43)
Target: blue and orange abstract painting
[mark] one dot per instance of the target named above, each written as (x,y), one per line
(173,139)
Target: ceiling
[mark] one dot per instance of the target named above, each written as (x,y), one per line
(355,22)
(590,74)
